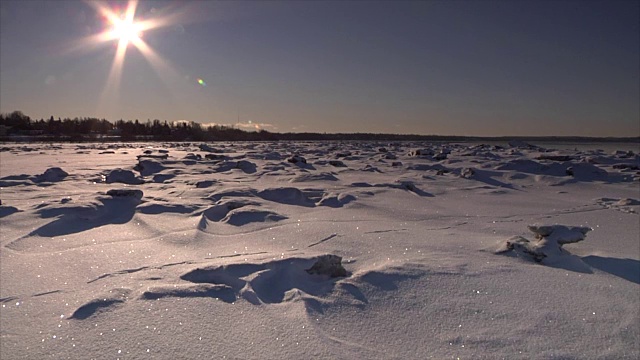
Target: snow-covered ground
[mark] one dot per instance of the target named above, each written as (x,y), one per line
(189,250)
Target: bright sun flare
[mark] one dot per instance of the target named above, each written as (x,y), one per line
(122,27)
(126,30)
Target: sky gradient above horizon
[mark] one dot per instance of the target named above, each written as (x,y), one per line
(479,68)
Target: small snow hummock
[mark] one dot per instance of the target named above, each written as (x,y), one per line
(548,241)
(295,159)
(51,175)
(123,176)
(147,167)
(207,148)
(337,163)
(420,152)
(467,173)
(328,265)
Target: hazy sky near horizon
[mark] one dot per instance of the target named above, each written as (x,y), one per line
(428,67)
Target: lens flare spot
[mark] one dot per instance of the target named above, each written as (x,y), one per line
(201,82)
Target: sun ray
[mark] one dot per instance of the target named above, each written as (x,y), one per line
(110,90)
(166,73)
(123,33)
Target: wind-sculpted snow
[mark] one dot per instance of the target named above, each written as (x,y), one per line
(148,167)
(548,242)
(193,250)
(336,200)
(51,175)
(71,218)
(122,176)
(105,303)
(265,283)
(240,216)
(547,248)
(625,205)
(314,177)
(292,280)
(289,196)
(7,210)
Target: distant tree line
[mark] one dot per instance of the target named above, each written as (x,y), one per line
(16,126)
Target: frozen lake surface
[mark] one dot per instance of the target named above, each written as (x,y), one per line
(191,250)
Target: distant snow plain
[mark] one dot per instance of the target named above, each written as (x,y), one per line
(191,250)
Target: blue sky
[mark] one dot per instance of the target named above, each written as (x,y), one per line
(428,67)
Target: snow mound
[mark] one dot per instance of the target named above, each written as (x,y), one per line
(336,200)
(627,205)
(237,213)
(271,282)
(246,166)
(330,265)
(53,174)
(117,208)
(123,176)
(220,210)
(207,148)
(147,167)
(296,159)
(548,241)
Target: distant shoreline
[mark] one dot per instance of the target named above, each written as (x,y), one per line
(18,127)
(326,137)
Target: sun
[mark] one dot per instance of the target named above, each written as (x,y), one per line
(121,27)
(126,30)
